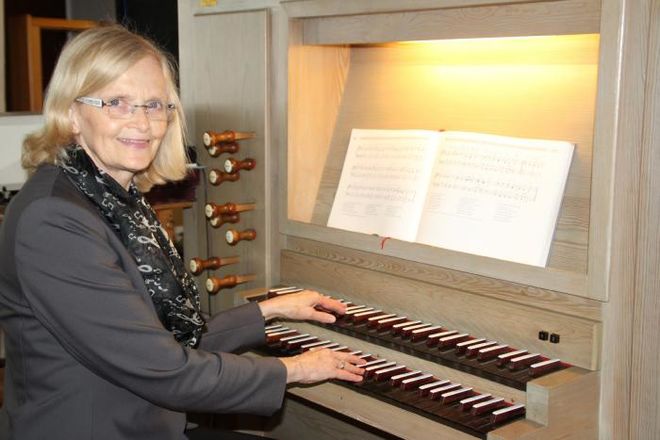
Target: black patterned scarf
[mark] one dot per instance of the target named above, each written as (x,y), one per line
(172,289)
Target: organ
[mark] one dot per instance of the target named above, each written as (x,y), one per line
(211,138)
(212,210)
(216,177)
(563,69)
(214,284)
(216,150)
(229,212)
(233,166)
(434,393)
(222,219)
(197,265)
(233,236)
(451,403)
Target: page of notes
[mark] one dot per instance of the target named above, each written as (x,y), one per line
(495,196)
(383,183)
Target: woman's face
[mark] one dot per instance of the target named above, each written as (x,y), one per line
(123,147)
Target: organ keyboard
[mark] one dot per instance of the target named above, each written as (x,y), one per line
(439,399)
(472,384)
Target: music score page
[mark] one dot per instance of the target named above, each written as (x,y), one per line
(383,183)
(488,195)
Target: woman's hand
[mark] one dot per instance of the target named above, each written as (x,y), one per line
(305,305)
(318,365)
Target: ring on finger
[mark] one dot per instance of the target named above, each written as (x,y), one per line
(341,365)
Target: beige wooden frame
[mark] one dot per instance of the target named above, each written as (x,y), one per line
(537,20)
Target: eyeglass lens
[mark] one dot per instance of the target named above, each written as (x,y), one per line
(154,110)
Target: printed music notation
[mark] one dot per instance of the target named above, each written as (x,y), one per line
(489,195)
(499,188)
(392,172)
(389,193)
(382,186)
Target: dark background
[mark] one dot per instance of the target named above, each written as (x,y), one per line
(156,19)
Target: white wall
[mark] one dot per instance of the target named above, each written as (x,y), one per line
(13,128)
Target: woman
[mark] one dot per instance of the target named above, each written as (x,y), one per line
(104,336)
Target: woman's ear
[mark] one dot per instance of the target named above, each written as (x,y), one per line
(74,118)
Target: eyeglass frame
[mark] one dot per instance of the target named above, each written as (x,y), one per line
(100,103)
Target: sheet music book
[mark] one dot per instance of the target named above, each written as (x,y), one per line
(489,195)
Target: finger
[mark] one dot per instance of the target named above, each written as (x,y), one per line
(355,360)
(350,363)
(354,369)
(325,317)
(331,305)
(348,376)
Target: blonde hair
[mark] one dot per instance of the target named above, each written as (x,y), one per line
(91,60)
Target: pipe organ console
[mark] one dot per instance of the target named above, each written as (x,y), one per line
(492,359)
(453,400)
(460,345)
(437,398)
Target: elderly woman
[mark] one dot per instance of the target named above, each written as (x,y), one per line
(104,335)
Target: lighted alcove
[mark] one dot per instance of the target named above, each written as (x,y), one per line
(534,87)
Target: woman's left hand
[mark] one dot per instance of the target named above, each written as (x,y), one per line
(305,305)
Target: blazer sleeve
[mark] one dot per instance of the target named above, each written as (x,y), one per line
(73,279)
(233,329)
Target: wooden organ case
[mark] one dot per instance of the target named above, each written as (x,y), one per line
(302,73)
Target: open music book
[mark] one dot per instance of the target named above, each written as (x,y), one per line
(483,194)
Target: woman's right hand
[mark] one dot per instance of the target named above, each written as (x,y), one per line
(318,365)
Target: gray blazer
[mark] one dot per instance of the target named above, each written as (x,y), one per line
(86,356)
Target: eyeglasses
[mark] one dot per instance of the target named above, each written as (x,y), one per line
(118,108)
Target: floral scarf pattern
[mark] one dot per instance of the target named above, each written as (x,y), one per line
(172,289)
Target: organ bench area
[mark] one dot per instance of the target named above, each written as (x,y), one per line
(459,346)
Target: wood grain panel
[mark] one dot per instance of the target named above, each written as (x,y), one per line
(316,75)
(224,87)
(207,8)
(559,406)
(301,421)
(324,8)
(547,278)
(513,324)
(615,211)
(645,386)
(464,281)
(544,18)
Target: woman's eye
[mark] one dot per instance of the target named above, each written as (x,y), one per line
(155,105)
(114,102)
